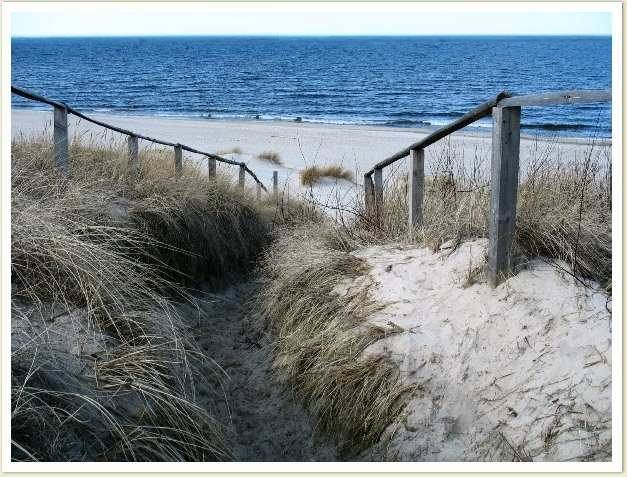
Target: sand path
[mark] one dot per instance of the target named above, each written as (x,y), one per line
(262,422)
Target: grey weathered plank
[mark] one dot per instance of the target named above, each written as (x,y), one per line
(275,182)
(557,97)
(378,191)
(368,194)
(133,157)
(415,186)
(178,160)
(242,176)
(504,191)
(211,165)
(61,141)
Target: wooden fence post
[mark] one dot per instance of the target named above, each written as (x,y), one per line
(211,163)
(61,142)
(242,175)
(504,191)
(178,160)
(378,192)
(275,183)
(368,194)
(258,191)
(133,158)
(415,186)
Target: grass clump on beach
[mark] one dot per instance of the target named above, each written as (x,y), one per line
(231,150)
(314,174)
(320,337)
(103,366)
(271,157)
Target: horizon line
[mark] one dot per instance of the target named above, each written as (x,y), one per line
(279,35)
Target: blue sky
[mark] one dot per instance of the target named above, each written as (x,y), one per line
(125,23)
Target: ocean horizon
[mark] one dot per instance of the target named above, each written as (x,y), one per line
(371,80)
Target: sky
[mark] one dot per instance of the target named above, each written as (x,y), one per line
(355,21)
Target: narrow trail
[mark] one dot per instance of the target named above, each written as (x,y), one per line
(262,422)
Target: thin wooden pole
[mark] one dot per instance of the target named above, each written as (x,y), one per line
(368,194)
(258,191)
(242,176)
(275,183)
(61,142)
(416,183)
(378,192)
(133,158)
(178,160)
(211,167)
(504,185)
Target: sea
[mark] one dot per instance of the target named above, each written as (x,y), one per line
(421,82)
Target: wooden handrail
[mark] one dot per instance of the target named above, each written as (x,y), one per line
(57,104)
(479,112)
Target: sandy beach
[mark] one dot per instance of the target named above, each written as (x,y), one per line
(356,148)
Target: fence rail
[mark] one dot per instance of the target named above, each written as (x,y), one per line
(61,142)
(505,110)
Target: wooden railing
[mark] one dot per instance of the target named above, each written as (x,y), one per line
(61,144)
(505,110)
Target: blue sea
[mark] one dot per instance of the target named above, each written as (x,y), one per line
(392,81)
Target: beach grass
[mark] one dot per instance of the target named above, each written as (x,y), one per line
(271,157)
(314,174)
(103,367)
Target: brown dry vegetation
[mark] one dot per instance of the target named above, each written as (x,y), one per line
(271,157)
(102,367)
(109,260)
(314,174)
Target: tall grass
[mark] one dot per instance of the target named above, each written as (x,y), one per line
(102,366)
(321,335)
(563,213)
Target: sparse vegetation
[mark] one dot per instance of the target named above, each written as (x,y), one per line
(232,150)
(314,174)
(271,157)
(564,209)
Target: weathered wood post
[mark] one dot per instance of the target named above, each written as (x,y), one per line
(242,175)
(415,186)
(368,194)
(378,192)
(61,142)
(211,171)
(504,185)
(178,160)
(258,191)
(133,158)
(275,183)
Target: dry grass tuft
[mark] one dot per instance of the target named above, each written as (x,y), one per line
(232,150)
(271,157)
(314,174)
(321,337)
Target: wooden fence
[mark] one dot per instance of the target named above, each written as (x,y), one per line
(505,110)
(61,145)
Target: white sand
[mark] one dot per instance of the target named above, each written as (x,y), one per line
(357,148)
(527,365)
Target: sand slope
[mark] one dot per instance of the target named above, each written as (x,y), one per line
(522,372)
